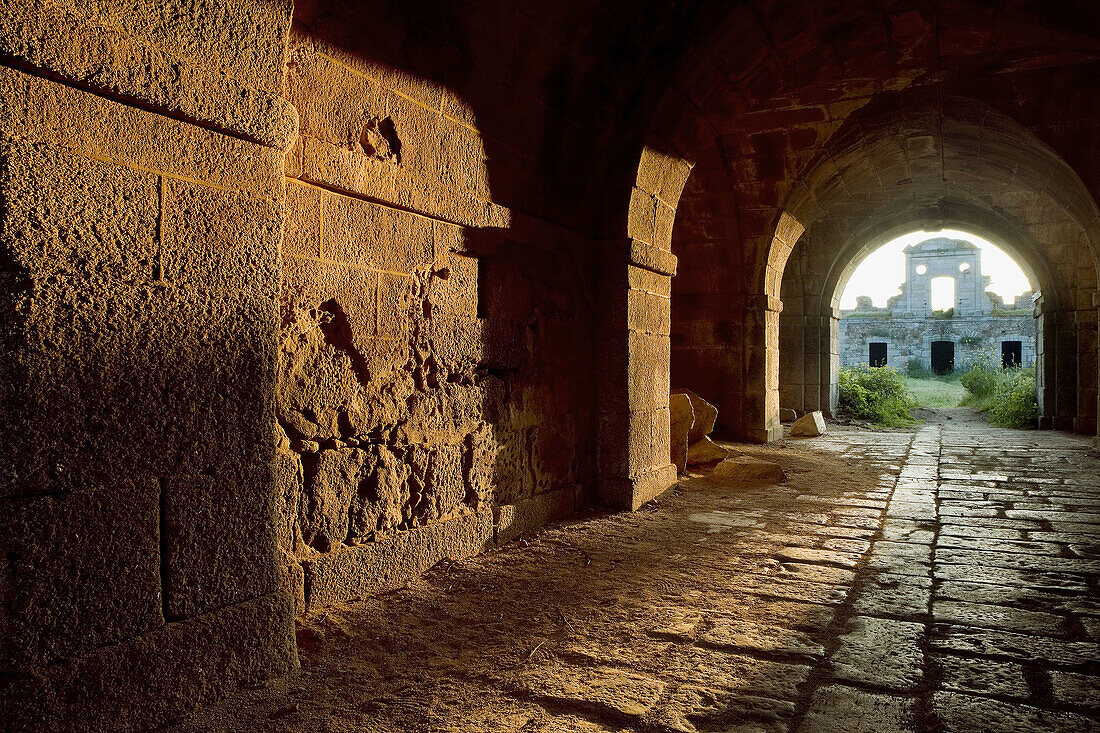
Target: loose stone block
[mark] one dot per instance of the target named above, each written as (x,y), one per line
(747,468)
(682,418)
(809,425)
(705,414)
(705,451)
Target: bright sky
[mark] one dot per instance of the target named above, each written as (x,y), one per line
(883,271)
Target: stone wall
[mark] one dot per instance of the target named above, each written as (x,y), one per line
(141,205)
(435,387)
(249,371)
(976,338)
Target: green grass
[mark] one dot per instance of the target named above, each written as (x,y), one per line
(932,392)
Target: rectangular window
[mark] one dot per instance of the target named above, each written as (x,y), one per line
(943,293)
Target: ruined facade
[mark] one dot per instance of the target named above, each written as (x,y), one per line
(908,332)
(301,299)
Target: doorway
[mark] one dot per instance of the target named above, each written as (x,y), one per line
(876,356)
(1011,354)
(943,357)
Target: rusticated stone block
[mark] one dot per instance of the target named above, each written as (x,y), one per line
(374,567)
(512,520)
(334,477)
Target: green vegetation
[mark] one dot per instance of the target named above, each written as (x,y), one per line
(943,315)
(869,314)
(1007,396)
(876,393)
(936,391)
(914,370)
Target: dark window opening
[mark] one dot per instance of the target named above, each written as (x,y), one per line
(877,354)
(943,357)
(1011,354)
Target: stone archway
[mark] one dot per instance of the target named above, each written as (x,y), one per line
(978,170)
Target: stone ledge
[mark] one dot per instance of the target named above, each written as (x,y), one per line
(375,567)
(512,520)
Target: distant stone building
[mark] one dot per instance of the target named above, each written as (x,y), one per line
(977,328)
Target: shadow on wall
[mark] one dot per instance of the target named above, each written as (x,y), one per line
(435,385)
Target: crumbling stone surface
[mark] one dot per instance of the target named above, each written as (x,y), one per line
(436,247)
(752,607)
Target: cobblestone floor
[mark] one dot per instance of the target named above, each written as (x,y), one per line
(938,580)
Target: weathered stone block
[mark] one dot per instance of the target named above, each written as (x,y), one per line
(748,468)
(333,477)
(82,571)
(706,415)
(302,225)
(632,492)
(161,675)
(219,542)
(705,451)
(809,425)
(682,418)
(512,520)
(454,289)
(375,567)
(370,235)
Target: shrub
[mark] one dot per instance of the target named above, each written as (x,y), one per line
(1006,395)
(876,393)
(980,380)
(1014,404)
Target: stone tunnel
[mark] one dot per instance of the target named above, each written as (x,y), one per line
(302,298)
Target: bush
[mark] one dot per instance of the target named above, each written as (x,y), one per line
(1014,404)
(1006,395)
(876,393)
(980,380)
